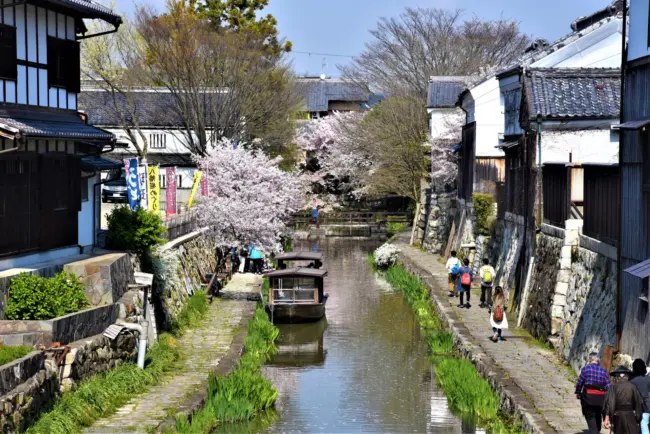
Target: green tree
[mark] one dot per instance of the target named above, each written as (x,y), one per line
(241,16)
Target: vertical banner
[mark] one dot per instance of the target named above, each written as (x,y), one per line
(171,191)
(142,177)
(197,179)
(204,185)
(154,189)
(132,184)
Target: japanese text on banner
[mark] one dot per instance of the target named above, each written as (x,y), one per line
(171,191)
(197,179)
(154,189)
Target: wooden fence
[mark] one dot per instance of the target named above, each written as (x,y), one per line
(303,219)
(602,203)
(181,224)
(557,193)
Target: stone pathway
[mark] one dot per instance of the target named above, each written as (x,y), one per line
(537,372)
(242,286)
(202,348)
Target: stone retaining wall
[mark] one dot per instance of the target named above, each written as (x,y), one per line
(31,385)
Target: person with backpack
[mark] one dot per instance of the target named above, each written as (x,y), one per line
(487,276)
(453,266)
(641,380)
(466,276)
(498,319)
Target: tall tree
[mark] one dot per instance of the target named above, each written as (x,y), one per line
(420,42)
(223,83)
(113,63)
(241,16)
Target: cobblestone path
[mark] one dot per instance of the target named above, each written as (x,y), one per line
(202,348)
(537,371)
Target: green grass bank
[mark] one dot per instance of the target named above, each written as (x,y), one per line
(469,395)
(243,394)
(103,394)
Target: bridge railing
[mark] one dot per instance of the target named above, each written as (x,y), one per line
(377,219)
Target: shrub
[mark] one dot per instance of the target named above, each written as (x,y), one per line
(386,256)
(134,231)
(9,354)
(33,297)
(393,228)
(484,209)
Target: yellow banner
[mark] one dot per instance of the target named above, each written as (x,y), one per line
(197,179)
(153,184)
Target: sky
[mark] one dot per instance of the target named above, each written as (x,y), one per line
(334,29)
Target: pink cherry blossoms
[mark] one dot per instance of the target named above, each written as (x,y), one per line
(250,198)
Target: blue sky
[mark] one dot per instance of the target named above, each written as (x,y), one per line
(341,26)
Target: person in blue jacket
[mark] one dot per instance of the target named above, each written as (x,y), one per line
(256,257)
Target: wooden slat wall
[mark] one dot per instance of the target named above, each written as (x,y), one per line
(602,203)
(634,245)
(488,173)
(556,184)
(466,166)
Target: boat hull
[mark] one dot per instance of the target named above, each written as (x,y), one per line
(296,313)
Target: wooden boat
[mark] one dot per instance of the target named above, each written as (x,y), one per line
(314,258)
(300,345)
(296,294)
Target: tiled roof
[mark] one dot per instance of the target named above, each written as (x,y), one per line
(318,93)
(565,93)
(41,124)
(152,108)
(90,9)
(444,91)
(97,162)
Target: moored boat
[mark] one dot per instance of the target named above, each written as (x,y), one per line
(296,294)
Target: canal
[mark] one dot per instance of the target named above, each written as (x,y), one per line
(362,369)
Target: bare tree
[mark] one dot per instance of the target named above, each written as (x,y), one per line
(114,64)
(421,42)
(222,84)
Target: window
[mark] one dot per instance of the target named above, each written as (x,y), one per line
(162,180)
(63,64)
(8,66)
(84,190)
(158,141)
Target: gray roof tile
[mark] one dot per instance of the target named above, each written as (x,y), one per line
(444,91)
(90,9)
(42,124)
(318,93)
(565,93)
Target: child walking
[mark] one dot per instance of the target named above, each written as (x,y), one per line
(487,276)
(465,283)
(453,266)
(498,319)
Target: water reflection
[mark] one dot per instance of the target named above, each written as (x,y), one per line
(362,369)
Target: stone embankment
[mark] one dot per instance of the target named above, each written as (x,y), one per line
(533,385)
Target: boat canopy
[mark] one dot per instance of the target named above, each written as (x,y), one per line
(300,256)
(298,272)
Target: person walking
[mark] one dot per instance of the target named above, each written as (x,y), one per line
(641,380)
(466,276)
(244,266)
(591,388)
(314,216)
(487,277)
(256,257)
(498,319)
(623,404)
(453,267)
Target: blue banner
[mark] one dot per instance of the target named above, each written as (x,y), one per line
(133,184)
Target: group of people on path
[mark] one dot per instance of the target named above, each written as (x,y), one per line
(248,259)
(622,406)
(460,280)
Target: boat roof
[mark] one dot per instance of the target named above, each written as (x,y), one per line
(298,271)
(297,256)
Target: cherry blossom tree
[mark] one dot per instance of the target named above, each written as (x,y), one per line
(334,160)
(250,199)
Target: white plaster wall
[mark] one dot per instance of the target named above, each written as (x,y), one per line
(85,218)
(638,29)
(600,48)
(588,146)
(488,113)
(446,123)
(175,143)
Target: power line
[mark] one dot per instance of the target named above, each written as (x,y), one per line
(321,54)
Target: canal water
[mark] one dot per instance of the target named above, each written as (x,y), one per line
(362,369)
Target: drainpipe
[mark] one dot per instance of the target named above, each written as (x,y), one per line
(620,184)
(142,329)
